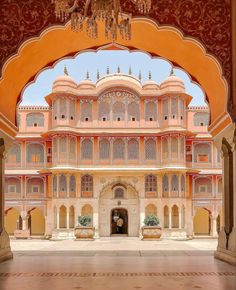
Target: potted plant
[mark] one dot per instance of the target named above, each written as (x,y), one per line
(84,230)
(151,229)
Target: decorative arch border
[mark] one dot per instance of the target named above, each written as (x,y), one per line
(203,66)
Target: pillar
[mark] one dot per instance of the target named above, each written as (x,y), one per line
(96,219)
(58,219)
(67,185)
(67,218)
(5,250)
(180,218)
(170,218)
(214,225)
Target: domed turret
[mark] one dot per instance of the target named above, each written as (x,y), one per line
(62,83)
(150,84)
(86,84)
(173,83)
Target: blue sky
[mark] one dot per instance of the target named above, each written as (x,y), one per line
(92,61)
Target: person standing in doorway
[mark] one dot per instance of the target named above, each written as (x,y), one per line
(119,225)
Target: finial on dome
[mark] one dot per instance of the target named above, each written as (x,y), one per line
(130,71)
(66,71)
(98,75)
(108,70)
(87,75)
(150,75)
(118,69)
(172,72)
(140,75)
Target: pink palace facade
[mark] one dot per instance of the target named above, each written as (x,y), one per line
(116,144)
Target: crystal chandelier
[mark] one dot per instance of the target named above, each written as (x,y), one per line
(108,11)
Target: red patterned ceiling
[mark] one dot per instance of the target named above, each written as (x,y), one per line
(208,21)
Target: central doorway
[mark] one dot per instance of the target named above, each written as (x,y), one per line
(119,221)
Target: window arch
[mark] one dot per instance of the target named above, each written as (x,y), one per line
(133,149)
(166,216)
(119,193)
(150,183)
(87,149)
(62,183)
(165,183)
(35,153)
(118,111)
(133,111)
(150,149)
(35,185)
(72,184)
(118,149)
(174,183)
(104,149)
(202,152)
(150,111)
(86,112)
(86,185)
(14,154)
(35,120)
(203,185)
(104,111)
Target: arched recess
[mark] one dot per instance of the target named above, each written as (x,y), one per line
(201,222)
(37,224)
(36,54)
(150,209)
(12,220)
(62,217)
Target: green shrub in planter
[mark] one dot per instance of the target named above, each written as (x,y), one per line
(85,220)
(151,220)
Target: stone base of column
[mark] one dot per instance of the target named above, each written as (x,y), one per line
(5,250)
(227,255)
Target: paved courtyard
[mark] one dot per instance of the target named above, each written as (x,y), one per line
(115,263)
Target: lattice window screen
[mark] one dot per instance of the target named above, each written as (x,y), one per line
(54,148)
(72,183)
(165,183)
(118,149)
(118,111)
(62,183)
(86,112)
(14,154)
(35,120)
(35,153)
(182,147)
(63,109)
(14,182)
(86,183)
(150,183)
(54,184)
(203,185)
(165,149)
(119,193)
(87,149)
(55,108)
(133,111)
(35,183)
(150,111)
(174,147)
(150,149)
(133,149)
(72,149)
(202,152)
(174,183)
(165,108)
(174,107)
(182,107)
(182,183)
(72,109)
(104,149)
(201,119)
(104,111)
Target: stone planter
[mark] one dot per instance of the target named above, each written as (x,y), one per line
(84,233)
(151,232)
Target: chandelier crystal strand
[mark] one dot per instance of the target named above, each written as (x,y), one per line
(107,11)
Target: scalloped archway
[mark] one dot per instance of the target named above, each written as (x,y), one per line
(166,42)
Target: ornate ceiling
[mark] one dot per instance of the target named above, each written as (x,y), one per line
(208,21)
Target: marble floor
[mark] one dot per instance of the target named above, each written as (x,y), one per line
(114,264)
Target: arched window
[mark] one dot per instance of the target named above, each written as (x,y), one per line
(87,149)
(104,111)
(166,216)
(63,109)
(86,112)
(202,152)
(174,108)
(72,184)
(54,149)
(118,149)
(55,109)
(35,185)
(86,185)
(174,147)
(119,193)
(72,149)
(133,149)
(175,216)
(150,183)
(62,183)
(165,150)
(165,184)
(35,153)
(150,111)
(104,149)
(133,111)
(35,120)
(12,185)
(118,111)
(174,183)
(87,210)
(63,148)
(201,119)
(14,154)
(150,149)
(183,183)
(54,185)
(165,109)
(203,185)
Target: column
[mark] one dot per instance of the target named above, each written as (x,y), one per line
(67,218)
(58,184)
(58,218)
(170,218)
(180,218)
(214,225)
(67,184)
